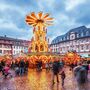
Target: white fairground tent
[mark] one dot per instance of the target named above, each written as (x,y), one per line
(85,55)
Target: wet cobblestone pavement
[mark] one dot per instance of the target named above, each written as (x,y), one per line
(41,81)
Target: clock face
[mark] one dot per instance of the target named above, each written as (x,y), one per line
(72,36)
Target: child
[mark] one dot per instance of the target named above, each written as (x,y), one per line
(6,71)
(62,76)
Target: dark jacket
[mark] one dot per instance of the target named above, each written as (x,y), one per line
(56,67)
(22,64)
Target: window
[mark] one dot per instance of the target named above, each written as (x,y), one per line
(77,35)
(87,47)
(14,51)
(56,49)
(0,46)
(61,49)
(82,34)
(72,36)
(87,33)
(67,37)
(81,47)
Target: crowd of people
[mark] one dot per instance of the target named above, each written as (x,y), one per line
(80,70)
(58,69)
(20,67)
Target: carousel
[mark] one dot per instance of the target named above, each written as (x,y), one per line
(38,50)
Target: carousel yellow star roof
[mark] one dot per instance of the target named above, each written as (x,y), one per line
(39,19)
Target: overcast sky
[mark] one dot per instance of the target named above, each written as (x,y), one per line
(67,14)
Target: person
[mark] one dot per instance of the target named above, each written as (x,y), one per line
(62,73)
(86,66)
(80,74)
(6,71)
(50,65)
(77,68)
(17,71)
(0,67)
(47,66)
(55,69)
(22,66)
(3,63)
(26,66)
(39,65)
(13,65)
(61,64)
(71,66)
(16,63)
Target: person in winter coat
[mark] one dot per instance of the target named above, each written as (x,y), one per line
(55,69)
(63,75)
(22,67)
(80,73)
(6,71)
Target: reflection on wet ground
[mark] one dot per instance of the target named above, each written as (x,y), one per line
(41,81)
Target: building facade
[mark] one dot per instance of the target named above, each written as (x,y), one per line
(12,46)
(77,39)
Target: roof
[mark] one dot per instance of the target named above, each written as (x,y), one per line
(11,39)
(80,32)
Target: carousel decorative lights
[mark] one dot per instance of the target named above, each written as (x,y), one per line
(39,42)
(39,22)
(72,57)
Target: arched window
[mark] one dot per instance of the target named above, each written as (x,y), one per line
(36,48)
(41,48)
